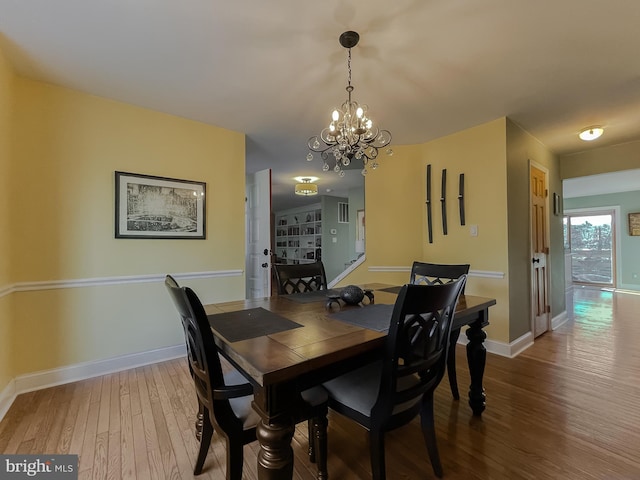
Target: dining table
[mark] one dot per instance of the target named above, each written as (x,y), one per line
(285,344)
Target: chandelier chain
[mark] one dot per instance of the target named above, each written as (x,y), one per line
(349,67)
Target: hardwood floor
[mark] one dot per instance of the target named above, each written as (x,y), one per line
(566,408)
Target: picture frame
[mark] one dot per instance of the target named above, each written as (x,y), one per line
(634,224)
(152,207)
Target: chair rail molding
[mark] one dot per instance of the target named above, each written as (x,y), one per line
(122,280)
(472,273)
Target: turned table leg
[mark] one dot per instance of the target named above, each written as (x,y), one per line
(476,357)
(275,460)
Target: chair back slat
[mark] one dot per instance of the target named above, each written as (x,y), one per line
(300,278)
(436,273)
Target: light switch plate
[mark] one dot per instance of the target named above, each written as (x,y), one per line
(473,230)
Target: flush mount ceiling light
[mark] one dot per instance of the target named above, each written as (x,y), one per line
(305,187)
(591,133)
(351,133)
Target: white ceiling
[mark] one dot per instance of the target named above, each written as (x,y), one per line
(275,70)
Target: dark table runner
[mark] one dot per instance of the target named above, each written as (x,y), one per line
(391,289)
(310,297)
(245,324)
(374,317)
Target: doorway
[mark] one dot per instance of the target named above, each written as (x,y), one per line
(590,240)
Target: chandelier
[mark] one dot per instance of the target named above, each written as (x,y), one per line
(305,187)
(351,133)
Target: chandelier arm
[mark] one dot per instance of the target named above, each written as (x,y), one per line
(321,147)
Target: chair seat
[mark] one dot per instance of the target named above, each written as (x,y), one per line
(315,397)
(358,390)
(241,406)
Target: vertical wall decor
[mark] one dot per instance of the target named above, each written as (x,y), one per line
(443,200)
(429,217)
(556,204)
(461,198)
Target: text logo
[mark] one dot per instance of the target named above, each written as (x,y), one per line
(42,467)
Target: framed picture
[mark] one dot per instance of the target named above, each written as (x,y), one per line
(634,224)
(159,207)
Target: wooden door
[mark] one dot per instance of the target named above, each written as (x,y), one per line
(539,252)
(258,233)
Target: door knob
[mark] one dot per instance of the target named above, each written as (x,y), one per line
(266,251)
(265,265)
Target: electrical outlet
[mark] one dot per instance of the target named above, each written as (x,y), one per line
(473,230)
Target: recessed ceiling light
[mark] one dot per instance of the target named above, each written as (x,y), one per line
(591,133)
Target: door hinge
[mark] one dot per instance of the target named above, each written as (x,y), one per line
(548,309)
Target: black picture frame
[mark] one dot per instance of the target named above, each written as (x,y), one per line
(151,207)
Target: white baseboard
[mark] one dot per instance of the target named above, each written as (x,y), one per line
(509,350)
(7,396)
(559,320)
(82,371)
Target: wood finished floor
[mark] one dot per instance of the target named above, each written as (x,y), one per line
(566,408)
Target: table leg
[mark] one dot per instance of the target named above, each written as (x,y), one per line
(451,363)
(275,460)
(476,357)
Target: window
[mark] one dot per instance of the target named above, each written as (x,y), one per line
(343,212)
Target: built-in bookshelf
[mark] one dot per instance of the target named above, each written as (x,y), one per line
(299,236)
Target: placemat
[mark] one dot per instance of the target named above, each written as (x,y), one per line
(391,289)
(251,323)
(374,317)
(310,297)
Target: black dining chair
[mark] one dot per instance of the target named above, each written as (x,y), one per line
(437,274)
(300,277)
(391,392)
(225,396)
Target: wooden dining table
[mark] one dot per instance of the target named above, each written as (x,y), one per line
(286,344)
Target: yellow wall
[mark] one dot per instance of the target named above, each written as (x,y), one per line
(396,213)
(479,153)
(6,100)
(67,147)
